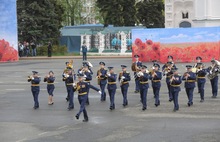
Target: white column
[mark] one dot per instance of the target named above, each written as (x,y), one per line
(123,42)
(87,41)
(101,42)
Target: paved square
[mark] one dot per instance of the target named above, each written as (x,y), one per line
(19,122)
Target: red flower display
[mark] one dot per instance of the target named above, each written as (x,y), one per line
(7,53)
(181,52)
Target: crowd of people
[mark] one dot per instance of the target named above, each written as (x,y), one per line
(27,49)
(143,77)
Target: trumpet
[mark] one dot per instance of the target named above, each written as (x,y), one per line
(139,74)
(186,75)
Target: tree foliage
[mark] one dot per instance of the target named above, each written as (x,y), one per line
(150,13)
(39,20)
(117,12)
(129,12)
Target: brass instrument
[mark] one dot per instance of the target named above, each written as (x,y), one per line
(186,75)
(121,79)
(98,76)
(29,78)
(134,67)
(139,74)
(212,70)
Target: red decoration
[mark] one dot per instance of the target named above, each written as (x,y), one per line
(7,53)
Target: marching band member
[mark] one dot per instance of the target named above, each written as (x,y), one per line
(69,80)
(175,82)
(82,87)
(167,70)
(213,71)
(35,87)
(69,65)
(198,61)
(124,78)
(137,65)
(50,86)
(112,77)
(102,80)
(143,78)
(88,77)
(201,80)
(155,77)
(190,78)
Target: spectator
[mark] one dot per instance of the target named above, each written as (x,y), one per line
(33,46)
(49,49)
(20,49)
(84,51)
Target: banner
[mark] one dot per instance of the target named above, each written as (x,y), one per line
(8,31)
(184,44)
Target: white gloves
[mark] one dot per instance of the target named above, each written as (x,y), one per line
(100,92)
(80,72)
(32,78)
(122,77)
(108,74)
(74,84)
(85,76)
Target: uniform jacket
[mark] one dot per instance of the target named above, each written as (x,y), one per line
(82,88)
(126,75)
(155,80)
(112,82)
(144,78)
(175,84)
(84,48)
(35,81)
(190,81)
(103,76)
(201,76)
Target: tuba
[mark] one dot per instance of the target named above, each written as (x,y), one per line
(134,67)
(213,70)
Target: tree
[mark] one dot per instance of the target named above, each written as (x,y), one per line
(117,12)
(151,13)
(39,20)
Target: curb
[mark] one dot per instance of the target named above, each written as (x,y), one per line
(70,57)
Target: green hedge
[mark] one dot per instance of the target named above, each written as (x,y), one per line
(93,50)
(56,50)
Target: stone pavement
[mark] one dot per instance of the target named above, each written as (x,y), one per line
(20,123)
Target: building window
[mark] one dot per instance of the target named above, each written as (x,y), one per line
(185,15)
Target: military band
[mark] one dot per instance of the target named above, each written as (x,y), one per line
(196,73)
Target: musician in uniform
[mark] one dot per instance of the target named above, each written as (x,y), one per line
(213,71)
(82,87)
(197,65)
(87,72)
(102,80)
(143,77)
(175,82)
(50,86)
(124,78)
(112,77)
(167,70)
(35,87)
(190,78)
(155,77)
(69,80)
(137,64)
(201,80)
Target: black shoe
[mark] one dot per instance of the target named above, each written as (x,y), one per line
(77,116)
(136,91)
(36,107)
(70,108)
(111,108)
(124,105)
(202,100)
(174,110)
(87,103)
(170,100)
(67,99)
(144,108)
(188,104)
(85,120)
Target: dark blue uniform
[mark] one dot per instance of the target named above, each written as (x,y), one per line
(201,80)
(82,88)
(112,89)
(156,84)
(175,89)
(35,89)
(84,51)
(102,82)
(69,85)
(189,86)
(137,82)
(214,81)
(124,83)
(143,89)
(168,75)
(50,85)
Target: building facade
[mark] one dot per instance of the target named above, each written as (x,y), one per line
(89,12)
(192,13)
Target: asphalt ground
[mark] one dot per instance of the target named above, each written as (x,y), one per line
(19,122)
